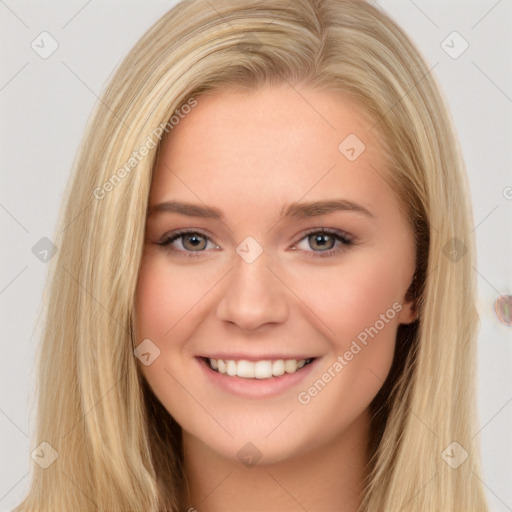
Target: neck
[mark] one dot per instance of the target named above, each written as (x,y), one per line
(329,477)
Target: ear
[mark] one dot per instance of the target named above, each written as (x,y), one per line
(409,311)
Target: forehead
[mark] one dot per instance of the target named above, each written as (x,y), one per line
(273,145)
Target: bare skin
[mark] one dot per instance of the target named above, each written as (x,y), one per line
(249,155)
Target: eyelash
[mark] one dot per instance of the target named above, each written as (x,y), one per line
(175,235)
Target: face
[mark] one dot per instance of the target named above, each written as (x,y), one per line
(290,265)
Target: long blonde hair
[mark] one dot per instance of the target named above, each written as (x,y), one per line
(118,448)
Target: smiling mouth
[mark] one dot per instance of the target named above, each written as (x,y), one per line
(263,369)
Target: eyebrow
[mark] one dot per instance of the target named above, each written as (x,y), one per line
(297,211)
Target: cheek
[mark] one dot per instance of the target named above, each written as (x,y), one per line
(348,298)
(358,304)
(356,308)
(163,299)
(166,297)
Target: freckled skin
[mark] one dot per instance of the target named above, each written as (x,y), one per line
(249,154)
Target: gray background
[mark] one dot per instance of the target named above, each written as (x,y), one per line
(44,106)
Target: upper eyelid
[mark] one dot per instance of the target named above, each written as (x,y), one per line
(176,234)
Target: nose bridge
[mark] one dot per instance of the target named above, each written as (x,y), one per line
(253,295)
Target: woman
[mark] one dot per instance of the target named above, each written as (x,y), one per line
(212,353)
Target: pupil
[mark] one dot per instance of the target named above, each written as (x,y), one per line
(194,240)
(318,239)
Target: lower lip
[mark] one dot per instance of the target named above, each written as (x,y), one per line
(256,388)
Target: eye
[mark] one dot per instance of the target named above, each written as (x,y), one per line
(196,242)
(190,242)
(325,240)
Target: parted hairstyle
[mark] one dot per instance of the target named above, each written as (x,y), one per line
(118,448)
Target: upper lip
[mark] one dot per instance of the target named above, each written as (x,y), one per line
(260,357)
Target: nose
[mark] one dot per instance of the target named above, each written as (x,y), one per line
(254,294)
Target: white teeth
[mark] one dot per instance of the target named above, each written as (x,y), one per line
(263,370)
(278,367)
(258,369)
(245,369)
(290,366)
(231,368)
